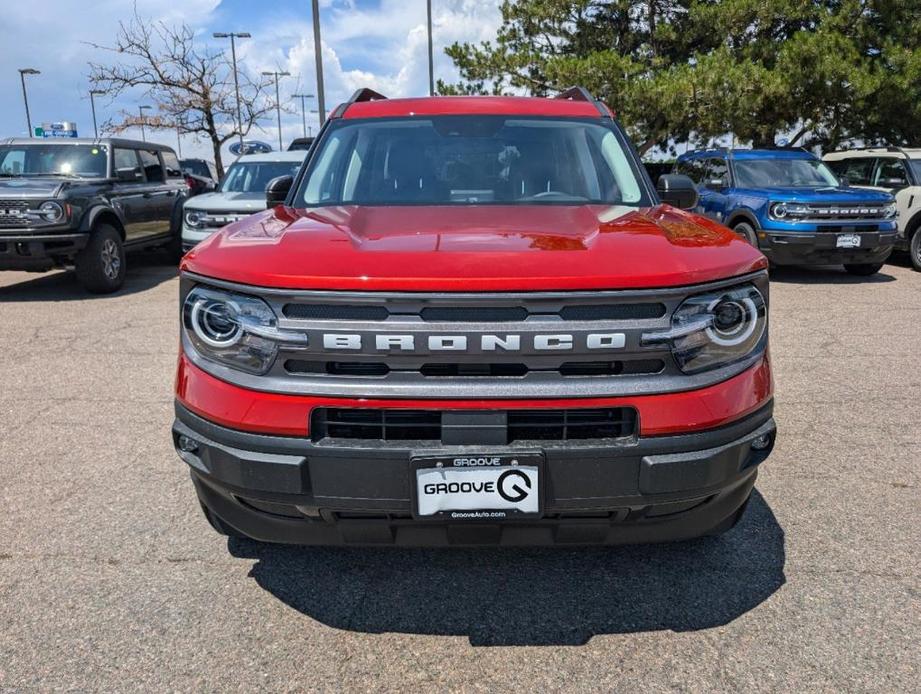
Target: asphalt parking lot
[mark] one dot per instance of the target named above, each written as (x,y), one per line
(111,579)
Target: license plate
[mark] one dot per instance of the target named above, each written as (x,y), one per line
(848,241)
(477,486)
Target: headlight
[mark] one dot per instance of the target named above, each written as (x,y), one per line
(51,211)
(195,219)
(786,210)
(236,330)
(890,211)
(715,329)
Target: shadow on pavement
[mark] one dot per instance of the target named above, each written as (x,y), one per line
(146,269)
(825,274)
(501,597)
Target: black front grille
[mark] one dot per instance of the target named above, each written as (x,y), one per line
(613,311)
(335,312)
(474,314)
(612,423)
(630,367)
(12,214)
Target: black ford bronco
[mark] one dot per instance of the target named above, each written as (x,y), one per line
(83,202)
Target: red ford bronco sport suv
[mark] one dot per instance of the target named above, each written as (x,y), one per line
(473,320)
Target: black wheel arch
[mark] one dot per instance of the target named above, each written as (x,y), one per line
(103,214)
(912,226)
(742,215)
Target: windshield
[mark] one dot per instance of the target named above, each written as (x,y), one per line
(196,166)
(783,173)
(467,160)
(916,168)
(54,160)
(253,177)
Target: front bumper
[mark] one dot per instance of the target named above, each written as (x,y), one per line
(820,247)
(290,489)
(39,251)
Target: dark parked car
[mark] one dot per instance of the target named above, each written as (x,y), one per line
(300,143)
(84,201)
(201,175)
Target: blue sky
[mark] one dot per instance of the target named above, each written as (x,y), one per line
(376,43)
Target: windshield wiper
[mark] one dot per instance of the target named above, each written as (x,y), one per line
(7,174)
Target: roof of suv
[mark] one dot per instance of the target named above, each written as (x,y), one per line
(114,141)
(792,153)
(895,152)
(472,105)
(283,155)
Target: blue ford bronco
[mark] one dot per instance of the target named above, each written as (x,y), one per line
(789,204)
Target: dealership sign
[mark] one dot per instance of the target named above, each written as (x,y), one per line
(60,129)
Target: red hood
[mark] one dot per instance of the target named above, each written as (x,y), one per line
(471,248)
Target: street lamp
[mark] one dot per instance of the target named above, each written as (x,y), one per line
(93,93)
(236,82)
(318,55)
(141,110)
(428,9)
(303,97)
(23,71)
(276,75)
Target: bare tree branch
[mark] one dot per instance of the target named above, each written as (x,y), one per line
(191,87)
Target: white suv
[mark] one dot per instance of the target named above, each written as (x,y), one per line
(241,193)
(892,169)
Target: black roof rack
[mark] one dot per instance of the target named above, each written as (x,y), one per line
(583,94)
(363,94)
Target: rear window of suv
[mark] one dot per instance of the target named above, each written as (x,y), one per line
(466,160)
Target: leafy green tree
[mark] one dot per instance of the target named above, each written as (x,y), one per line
(692,70)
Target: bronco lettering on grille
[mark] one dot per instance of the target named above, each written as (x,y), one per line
(487,342)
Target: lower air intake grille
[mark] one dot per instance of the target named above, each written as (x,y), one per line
(425,425)
(566,425)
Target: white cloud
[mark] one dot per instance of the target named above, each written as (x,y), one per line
(383,47)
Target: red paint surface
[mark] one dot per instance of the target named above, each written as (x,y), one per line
(473,248)
(289,415)
(476,105)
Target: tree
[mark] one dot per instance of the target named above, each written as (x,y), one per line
(191,87)
(692,70)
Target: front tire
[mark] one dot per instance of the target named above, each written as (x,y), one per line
(863,269)
(914,249)
(100,266)
(747,233)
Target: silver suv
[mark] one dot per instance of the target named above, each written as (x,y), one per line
(895,170)
(242,193)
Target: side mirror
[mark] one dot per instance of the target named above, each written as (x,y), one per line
(128,175)
(276,191)
(678,191)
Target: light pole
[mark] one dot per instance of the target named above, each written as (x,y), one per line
(428,8)
(303,97)
(276,75)
(178,141)
(141,110)
(318,54)
(23,71)
(236,82)
(93,93)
